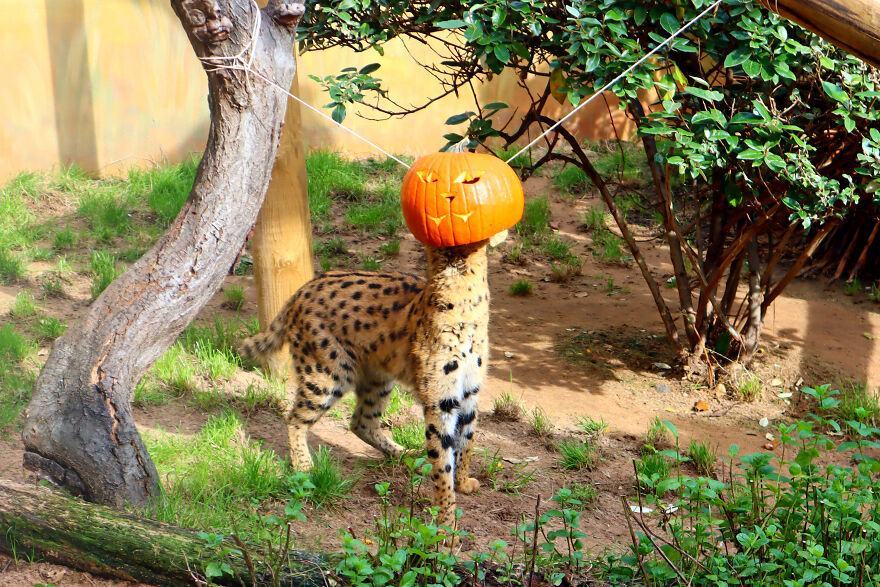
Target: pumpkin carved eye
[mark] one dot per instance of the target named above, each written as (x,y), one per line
(465,177)
(427,176)
(449,196)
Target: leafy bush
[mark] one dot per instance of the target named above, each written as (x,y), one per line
(792,518)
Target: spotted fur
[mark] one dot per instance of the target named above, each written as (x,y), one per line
(361,332)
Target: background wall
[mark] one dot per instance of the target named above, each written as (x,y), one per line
(108,84)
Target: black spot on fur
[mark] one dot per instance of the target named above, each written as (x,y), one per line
(450,367)
(446,441)
(448,404)
(433,454)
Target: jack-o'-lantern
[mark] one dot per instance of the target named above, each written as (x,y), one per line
(458,198)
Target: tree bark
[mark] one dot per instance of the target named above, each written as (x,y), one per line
(282,240)
(103,541)
(79,430)
(852,25)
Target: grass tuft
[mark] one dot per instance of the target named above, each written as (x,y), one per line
(326,475)
(540,423)
(410,434)
(521,288)
(233,297)
(24,306)
(577,454)
(507,408)
(571,180)
(50,328)
(329,176)
(166,187)
(536,218)
(857,402)
(104,271)
(704,457)
(658,436)
(591,426)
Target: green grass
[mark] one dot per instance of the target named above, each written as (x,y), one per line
(390,248)
(594,219)
(70,179)
(262,397)
(50,328)
(381,216)
(748,387)
(212,348)
(218,480)
(577,454)
(507,408)
(540,423)
(652,468)
(24,306)
(506,478)
(331,176)
(11,267)
(107,211)
(16,381)
(371,264)
(166,187)
(410,434)
(622,161)
(399,402)
(65,239)
(331,252)
(584,493)
(104,271)
(564,263)
(175,370)
(609,248)
(704,457)
(858,403)
(521,288)
(874,294)
(331,485)
(571,180)
(592,426)
(536,218)
(233,297)
(658,435)
(853,287)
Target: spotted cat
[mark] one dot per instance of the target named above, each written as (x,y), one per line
(361,332)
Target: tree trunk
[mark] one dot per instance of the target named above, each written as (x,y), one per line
(282,240)
(103,541)
(79,430)
(852,25)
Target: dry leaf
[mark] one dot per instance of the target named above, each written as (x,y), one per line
(701,406)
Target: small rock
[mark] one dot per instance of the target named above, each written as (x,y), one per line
(581,294)
(720,390)
(517,461)
(508,355)
(776,383)
(640,509)
(764,422)
(769,446)
(663,388)
(663,366)
(554,225)
(769,436)
(701,406)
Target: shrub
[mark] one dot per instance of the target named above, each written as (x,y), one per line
(521,288)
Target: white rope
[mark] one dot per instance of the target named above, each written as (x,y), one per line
(617,79)
(239,64)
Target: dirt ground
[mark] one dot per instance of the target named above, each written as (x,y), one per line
(573,349)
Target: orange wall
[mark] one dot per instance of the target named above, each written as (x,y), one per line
(108,84)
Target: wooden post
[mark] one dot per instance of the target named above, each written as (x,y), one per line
(282,239)
(852,25)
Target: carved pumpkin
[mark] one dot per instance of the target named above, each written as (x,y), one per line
(452,199)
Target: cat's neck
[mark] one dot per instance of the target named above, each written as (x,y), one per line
(457,267)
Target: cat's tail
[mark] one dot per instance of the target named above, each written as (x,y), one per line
(260,345)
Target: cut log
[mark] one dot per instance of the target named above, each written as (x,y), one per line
(103,541)
(852,25)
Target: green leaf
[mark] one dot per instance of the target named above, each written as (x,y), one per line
(835,92)
(338,113)
(752,68)
(502,53)
(708,95)
(459,118)
(669,23)
(750,155)
(495,106)
(738,56)
(451,24)
(367,69)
